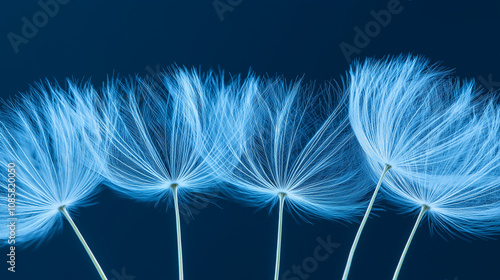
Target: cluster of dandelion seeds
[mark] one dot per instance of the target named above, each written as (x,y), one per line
(426,141)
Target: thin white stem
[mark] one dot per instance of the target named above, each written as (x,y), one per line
(178,226)
(424,209)
(80,236)
(362,225)
(280,226)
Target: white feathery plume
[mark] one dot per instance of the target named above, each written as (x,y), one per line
(41,140)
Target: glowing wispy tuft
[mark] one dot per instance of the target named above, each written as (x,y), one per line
(41,134)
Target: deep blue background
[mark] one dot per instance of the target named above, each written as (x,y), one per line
(94,39)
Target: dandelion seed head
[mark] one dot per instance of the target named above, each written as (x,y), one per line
(462,189)
(397,104)
(298,149)
(40,133)
(163,134)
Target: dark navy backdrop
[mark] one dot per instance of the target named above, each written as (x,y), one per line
(94,39)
